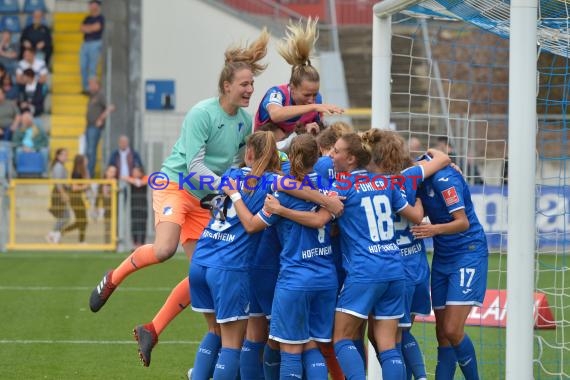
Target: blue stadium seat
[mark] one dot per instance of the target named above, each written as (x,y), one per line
(9,6)
(11,23)
(31,5)
(30,164)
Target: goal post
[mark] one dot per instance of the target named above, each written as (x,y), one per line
(520,26)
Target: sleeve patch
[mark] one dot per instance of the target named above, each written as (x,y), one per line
(450,196)
(276,97)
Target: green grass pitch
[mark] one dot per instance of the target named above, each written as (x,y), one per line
(48,331)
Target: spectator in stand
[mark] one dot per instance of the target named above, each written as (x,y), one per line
(92,29)
(105,198)
(470,170)
(139,205)
(125,158)
(9,51)
(30,61)
(29,137)
(76,197)
(97,112)
(31,93)
(9,117)
(10,91)
(59,196)
(38,36)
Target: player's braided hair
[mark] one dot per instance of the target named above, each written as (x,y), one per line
(296,49)
(388,150)
(238,57)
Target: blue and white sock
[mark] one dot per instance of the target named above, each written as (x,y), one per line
(466,358)
(349,359)
(392,364)
(314,364)
(413,358)
(446,363)
(227,367)
(206,356)
(250,363)
(291,366)
(271,363)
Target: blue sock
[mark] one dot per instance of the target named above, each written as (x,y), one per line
(227,367)
(392,364)
(206,356)
(314,364)
(413,358)
(250,364)
(291,366)
(446,363)
(466,358)
(359,344)
(349,359)
(271,363)
(399,349)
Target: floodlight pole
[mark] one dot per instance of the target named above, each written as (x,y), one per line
(521,203)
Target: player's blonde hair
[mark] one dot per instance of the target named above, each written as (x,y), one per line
(264,148)
(303,154)
(296,49)
(388,150)
(238,58)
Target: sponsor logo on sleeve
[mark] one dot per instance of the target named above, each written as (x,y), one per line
(450,196)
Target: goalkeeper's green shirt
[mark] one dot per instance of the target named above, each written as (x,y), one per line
(209,143)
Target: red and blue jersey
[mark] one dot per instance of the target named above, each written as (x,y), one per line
(281,96)
(225,244)
(369,244)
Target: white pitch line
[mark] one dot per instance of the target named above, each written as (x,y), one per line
(79,288)
(38,341)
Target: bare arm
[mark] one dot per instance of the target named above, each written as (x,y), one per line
(282,113)
(459,223)
(251,223)
(303,191)
(414,214)
(439,161)
(306,218)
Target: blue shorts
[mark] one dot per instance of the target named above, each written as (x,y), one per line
(417,302)
(384,300)
(300,316)
(459,282)
(261,289)
(224,292)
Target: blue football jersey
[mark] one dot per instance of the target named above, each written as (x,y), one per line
(413,250)
(369,246)
(224,243)
(306,260)
(442,194)
(325,169)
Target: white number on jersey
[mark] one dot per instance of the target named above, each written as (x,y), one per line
(379,217)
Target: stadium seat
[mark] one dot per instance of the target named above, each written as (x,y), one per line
(11,23)
(9,6)
(31,5)
(30,164)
